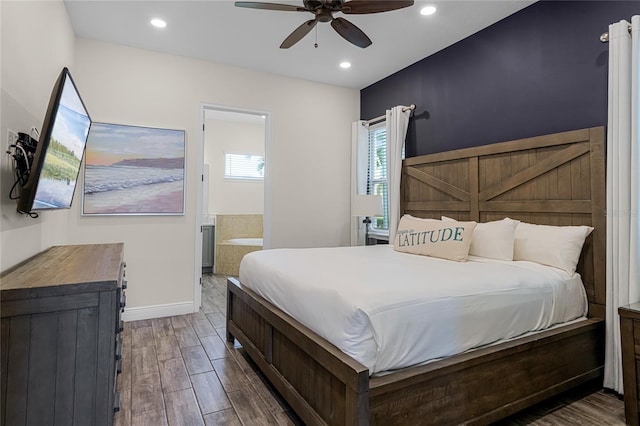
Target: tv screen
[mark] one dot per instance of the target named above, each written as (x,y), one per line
(63,136)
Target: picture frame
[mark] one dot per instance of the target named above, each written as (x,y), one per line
(134,170)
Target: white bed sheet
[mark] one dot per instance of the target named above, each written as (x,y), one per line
(391,310)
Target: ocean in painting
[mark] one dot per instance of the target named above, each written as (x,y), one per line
(133,190)
(114,178)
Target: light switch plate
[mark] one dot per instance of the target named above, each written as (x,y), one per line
(12,138)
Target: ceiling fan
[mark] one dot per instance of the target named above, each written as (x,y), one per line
(324,10)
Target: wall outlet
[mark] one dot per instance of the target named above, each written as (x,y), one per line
(12,138)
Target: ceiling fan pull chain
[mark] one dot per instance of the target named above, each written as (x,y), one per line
(316,43)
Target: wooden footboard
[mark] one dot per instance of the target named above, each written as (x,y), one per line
(486,385)
(325,386)
(321,383)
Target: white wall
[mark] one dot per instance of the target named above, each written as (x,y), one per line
(233,137)
(37,41)
(132,86)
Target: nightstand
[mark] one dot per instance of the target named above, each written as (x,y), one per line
(630,338)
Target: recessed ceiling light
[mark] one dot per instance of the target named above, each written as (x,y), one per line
(345,65)
(158,23)
(428,10)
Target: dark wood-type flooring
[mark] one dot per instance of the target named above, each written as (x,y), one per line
(180,371)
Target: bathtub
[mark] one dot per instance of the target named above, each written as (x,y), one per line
(245,241)
(236,236)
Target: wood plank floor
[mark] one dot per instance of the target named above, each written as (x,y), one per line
(180,371)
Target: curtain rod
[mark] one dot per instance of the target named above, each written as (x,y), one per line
(604,37)
(382,117)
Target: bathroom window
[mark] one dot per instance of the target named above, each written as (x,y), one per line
(243,167)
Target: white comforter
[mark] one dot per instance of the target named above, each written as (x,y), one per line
(390,310)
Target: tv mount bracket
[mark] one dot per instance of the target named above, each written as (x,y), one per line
(23,153)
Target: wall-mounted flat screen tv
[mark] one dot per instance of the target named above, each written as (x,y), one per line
(56,164)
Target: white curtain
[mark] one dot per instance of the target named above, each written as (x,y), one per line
(623,257)
(359,166)
(397,124)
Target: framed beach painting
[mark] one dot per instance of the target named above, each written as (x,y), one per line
(132,170)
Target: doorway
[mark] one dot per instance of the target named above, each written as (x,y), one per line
(234,201)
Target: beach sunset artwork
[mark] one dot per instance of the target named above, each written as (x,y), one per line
(131,170)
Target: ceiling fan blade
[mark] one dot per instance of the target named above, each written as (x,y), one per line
(356,7)
(350,32)
(270,6)
(298,33)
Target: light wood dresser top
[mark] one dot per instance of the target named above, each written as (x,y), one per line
(65,265)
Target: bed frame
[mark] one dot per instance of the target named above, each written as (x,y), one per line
(556,179)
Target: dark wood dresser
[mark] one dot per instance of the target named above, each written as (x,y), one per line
(630,337)
(60,336)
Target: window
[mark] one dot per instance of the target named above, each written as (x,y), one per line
(243,167)
(377,181)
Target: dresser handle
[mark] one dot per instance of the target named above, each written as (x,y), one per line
(116,402)
(118,350)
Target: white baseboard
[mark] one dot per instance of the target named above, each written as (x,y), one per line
(157,311)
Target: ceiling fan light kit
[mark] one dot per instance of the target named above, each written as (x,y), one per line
(324,10)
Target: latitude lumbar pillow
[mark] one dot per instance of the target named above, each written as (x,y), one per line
(446,240)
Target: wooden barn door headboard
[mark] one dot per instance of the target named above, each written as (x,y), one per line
(556,179)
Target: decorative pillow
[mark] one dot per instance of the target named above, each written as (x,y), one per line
(557,246)
(493,240)
(434,238)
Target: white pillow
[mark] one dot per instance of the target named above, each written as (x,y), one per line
(447,240)
(557,246)
(493,240)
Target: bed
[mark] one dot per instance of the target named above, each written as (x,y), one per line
(555,179)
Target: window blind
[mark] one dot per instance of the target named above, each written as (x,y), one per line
(243,166)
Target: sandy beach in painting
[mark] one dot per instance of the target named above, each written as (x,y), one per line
(160,198)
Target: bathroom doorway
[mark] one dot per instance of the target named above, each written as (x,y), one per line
(235,184)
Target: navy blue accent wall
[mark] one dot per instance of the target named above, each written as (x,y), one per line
(541,70)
